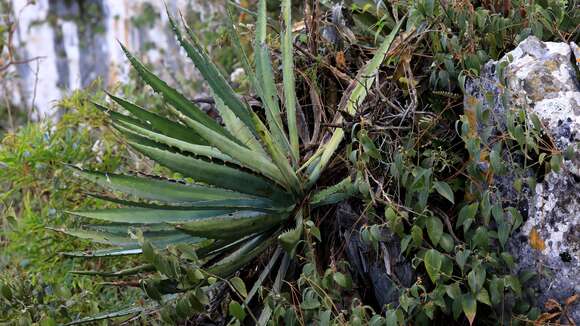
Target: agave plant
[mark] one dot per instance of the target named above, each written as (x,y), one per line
(245,188)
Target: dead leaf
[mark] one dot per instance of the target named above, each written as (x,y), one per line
(536,241)
(552,304)
(571,299)
(340,60)
(298,26)
(545,317)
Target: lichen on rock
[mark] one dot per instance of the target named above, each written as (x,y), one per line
(541,77)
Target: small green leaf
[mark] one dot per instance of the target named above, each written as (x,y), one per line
(342,280)
(310,303)
(405,243)
(475,279)
(391,318)
(417,235)
(518,184)
(495,160)
(513,282)
(496,288)
(453,290)
(240,286)
(445,190)
(483,297)
(434,229)
(368,145)
(556,162)
(469,306)
(503,232)
(236,310)
(446,242)
(433,262)
(485,206)
(461,258)
(467,215)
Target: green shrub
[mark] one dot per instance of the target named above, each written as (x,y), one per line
(36,189)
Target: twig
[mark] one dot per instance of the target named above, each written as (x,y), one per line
(447,223)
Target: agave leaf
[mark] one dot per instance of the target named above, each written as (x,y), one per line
(241,256)
(289,175)
(108,252)
(220,246)
(240,51)
(220,176)
(257,204)
(334,194)
(245,156)
(288,79)
(109,315)
(163,125)
(148,215)
(200,150)
(123,272)
(159,189)
(263,275)
(265,78)
(160,238)
(237,128)
(275,152)
(267,311)
(124,228)
(176,99)
(212,75)
(99,237)
(231,225)
(352,99)
(116,117)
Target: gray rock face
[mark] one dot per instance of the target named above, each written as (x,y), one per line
(75,43)
(542,78)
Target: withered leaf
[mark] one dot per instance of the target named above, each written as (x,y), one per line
(536,241)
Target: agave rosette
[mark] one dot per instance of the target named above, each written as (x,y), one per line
(244,181)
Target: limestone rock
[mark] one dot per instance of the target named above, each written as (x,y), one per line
(542,78)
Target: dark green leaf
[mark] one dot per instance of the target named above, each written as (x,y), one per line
(433,261)
(444,190)
(469,306)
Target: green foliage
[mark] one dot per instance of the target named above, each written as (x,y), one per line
(461,248)
(36,188)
